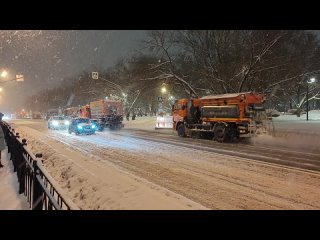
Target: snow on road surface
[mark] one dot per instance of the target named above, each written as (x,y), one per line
(112,171)
(93,183)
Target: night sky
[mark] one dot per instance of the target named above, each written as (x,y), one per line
(47,57)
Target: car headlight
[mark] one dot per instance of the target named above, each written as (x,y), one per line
(79,127)
(66,122)
(93,126)
(55,123)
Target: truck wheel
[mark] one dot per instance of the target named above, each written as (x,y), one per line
(181,131)
(220,133)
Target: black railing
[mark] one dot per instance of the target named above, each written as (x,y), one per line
(42,192)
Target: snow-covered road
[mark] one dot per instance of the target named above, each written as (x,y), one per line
(115,170)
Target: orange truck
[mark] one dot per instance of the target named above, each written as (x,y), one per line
(108,112)
(222,117)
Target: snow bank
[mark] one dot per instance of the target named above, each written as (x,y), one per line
(10,199)
(314,115)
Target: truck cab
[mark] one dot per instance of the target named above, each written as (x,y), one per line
(186,111)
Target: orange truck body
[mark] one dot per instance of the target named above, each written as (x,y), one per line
(240,101)
(233,113)
(102,108)
(110,112)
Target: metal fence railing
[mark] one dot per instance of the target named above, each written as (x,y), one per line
(42,192)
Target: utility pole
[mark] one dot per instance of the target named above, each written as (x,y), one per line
(307,100)
(312,80)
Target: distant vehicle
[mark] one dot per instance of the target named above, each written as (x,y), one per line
(58,122)
(6,116)
(82,126)
(98,123)
(51,113)
(36,115)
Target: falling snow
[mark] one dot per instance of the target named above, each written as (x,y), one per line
(34,52)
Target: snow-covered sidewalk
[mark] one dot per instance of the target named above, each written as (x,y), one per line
(9,188)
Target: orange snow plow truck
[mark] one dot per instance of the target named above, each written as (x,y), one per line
(221,117)
(110,112)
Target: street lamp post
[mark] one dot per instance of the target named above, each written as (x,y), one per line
(307,101)
(312,80)
(163,102)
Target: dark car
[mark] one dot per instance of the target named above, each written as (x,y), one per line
(82,126)
(98,123)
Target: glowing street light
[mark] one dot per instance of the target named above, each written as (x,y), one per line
(311,80)
(19,78)
(4,73)
(163,90)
